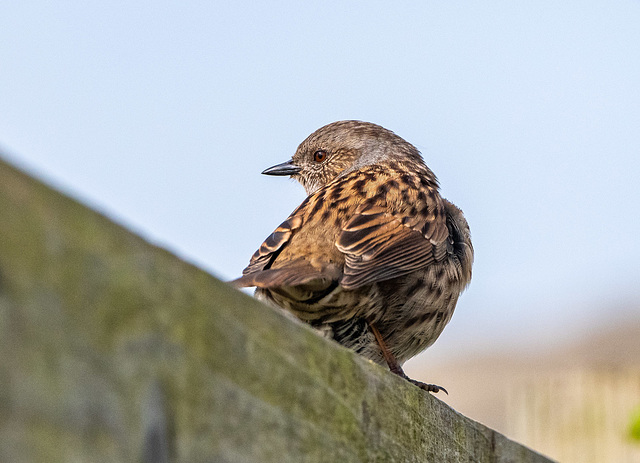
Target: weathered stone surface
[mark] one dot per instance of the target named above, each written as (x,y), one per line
(112,349)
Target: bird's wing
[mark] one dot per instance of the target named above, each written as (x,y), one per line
(298,279)
(297,273)
(380,245)
(269,250)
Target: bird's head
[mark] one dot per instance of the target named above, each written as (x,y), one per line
(342,147)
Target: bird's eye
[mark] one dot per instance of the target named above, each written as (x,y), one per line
(320,155)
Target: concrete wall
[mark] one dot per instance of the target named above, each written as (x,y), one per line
(112,349)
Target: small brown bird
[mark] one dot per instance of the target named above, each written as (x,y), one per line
(374,257)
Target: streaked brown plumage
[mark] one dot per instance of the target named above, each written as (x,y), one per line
(374,255)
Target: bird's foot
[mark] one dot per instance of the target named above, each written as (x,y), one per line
(424,386)
(427,387)
(395,367)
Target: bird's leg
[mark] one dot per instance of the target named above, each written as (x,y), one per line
(395,367)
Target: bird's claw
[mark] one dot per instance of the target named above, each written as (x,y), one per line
(428,387)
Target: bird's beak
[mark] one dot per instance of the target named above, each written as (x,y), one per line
(286,168)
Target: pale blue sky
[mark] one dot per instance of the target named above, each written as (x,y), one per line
(164,114)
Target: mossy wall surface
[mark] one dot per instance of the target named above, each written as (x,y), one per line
(114,350)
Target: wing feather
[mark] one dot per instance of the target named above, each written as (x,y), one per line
(380,245)
(269,250)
